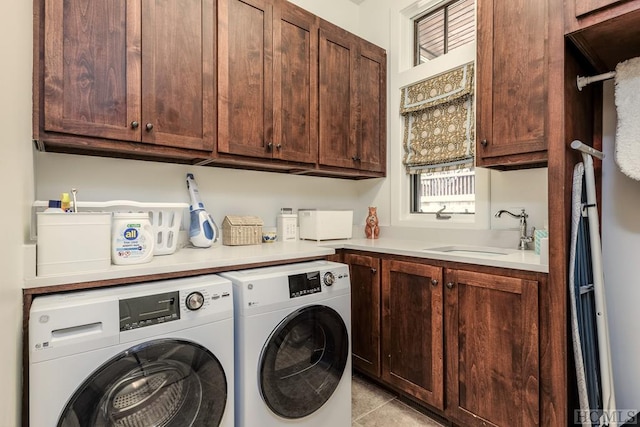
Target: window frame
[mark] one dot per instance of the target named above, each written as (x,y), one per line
(403,73)
(441,6)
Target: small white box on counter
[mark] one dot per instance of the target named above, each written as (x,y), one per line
(73,242)
(325,224)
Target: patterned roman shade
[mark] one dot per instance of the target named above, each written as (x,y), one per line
(439,122)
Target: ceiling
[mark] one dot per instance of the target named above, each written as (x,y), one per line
(357,1)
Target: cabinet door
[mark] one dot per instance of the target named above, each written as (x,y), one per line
(365,312)
(178,72)
(295,92)
(492,336)
(337,98)
(245,77)
(412,330)
(92,68)
(512,82)
(372,87)
(586,6)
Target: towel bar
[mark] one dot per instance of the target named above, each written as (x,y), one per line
(583,81)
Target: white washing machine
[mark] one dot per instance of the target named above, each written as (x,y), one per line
(155,354)
(293,345)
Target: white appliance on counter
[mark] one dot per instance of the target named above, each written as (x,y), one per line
(319,225)
(151,354)
(293,345)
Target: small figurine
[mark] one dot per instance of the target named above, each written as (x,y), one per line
(371,228)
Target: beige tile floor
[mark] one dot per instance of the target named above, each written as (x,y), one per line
(372,406)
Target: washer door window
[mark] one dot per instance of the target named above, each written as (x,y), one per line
(303,361)
(158,383)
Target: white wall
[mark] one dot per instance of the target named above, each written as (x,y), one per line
(16,182)
(620,246)
(223,191)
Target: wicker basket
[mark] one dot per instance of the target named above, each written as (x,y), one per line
(241,230)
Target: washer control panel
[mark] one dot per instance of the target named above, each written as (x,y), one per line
(149,310)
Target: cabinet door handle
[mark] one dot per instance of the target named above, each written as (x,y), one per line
(355,158)
(434,282)
(278,146)
(374,271)
(270,146)
(450,285)
(149,127)
(134,125)
(484,142)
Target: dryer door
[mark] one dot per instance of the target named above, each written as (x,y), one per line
(303,361)
(163,382)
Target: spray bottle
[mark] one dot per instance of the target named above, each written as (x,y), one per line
(203,231)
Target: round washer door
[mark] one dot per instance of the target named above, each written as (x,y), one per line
(164,382)
(303,361)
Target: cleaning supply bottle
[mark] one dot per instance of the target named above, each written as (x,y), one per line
(132,238)
(65,202)
(203,231)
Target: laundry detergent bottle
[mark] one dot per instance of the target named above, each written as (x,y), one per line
(132,238)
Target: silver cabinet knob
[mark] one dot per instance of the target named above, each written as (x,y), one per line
(134,125)
(434,282)
(149,127)
(450,285)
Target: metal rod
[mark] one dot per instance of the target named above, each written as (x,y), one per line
(578,145)
(583,81)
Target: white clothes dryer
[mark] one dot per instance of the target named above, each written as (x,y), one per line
(293,346)
(155,354)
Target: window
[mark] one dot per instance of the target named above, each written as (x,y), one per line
(450,192)
(441,30)
(438,115)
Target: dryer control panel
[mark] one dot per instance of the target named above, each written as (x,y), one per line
(304,284)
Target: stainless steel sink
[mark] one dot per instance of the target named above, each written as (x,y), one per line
(472,250)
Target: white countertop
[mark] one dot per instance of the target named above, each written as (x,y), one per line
(186,259)
(514,258)
(189,258)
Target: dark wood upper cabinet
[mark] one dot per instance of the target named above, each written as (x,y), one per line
(130,71)
(512,83)
(178,73)
(605,31)
(295,84)
(492,335)
(583,7)
(267,79)
(235,83)
(352,102)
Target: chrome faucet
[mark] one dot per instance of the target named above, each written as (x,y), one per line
(441,215)
(522,216)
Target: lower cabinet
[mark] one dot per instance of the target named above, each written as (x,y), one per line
(365,313)
(463,342)
(412,329)
(492,349)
